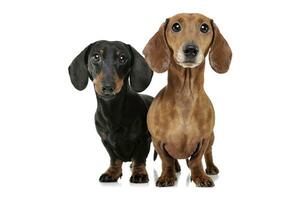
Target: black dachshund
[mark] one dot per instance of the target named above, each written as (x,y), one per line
(120,117)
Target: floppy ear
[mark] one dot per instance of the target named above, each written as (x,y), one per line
(157,53)
(220,53)
(141,74)
(78,71)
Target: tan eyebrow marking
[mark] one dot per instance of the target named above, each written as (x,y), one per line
(180,20)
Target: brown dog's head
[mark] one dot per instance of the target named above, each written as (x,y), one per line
(187,39)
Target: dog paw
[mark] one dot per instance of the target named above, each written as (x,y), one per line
(165,181)
(212,170)
(108,178)
(139,178)
(203,181)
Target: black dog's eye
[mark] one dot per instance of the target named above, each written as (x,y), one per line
(96,57)
(204,28)
(122,59)
(176,27)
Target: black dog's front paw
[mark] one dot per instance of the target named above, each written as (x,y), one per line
(108,178)
(139,178)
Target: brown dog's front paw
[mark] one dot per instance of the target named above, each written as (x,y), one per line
(203,181)
(165,181)
(212,170)
(139,178)
(108,178)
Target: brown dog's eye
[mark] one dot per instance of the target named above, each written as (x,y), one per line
(122,59)
(204,28)
(176,27)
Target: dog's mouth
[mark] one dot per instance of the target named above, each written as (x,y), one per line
(186,63)
(107,96)
(189,64)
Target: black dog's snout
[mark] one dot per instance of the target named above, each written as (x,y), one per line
(191,51)
(108,89)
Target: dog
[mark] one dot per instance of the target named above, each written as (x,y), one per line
(120,117)
(181,117)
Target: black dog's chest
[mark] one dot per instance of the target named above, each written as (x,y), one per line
(119,137)
(119,131)
(122,127)
(122,143)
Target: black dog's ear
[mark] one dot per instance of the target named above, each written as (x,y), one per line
(78,70)
(141,74)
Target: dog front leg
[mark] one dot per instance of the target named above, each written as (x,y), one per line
(168,175)
(211,169)
(113,172)
(139,173)
(198,175)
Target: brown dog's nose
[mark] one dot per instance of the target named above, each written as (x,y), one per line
(190,51)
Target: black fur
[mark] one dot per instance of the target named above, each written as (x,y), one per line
(120,119)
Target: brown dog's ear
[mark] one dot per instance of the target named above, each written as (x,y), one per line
(157,53)
(220,53)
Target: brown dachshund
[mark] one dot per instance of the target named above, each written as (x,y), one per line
(181,117)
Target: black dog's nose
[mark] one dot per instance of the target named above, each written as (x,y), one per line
(108,89)
(190,51)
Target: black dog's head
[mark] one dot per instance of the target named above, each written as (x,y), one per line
(108,65)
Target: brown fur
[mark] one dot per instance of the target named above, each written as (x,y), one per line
(119,84)
(113,172)
(139,174)
(181,118)
(97,83)
(160,60)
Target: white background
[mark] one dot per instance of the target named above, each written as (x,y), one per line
(49,148)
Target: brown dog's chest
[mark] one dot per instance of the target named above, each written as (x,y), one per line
(182,140)
(180,124)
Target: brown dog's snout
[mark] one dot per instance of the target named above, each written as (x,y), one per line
(190,51)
